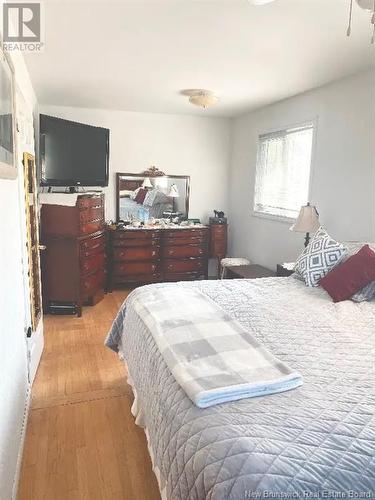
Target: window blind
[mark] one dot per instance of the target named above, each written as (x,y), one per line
(283,171)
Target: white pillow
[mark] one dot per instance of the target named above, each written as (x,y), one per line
(319,257)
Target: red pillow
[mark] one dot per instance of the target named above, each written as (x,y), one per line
(347,278)
(140,196)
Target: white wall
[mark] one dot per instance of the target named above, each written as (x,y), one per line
(343,184)
(14,385)
(176,144)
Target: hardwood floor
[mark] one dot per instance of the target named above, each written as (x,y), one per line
(81,440)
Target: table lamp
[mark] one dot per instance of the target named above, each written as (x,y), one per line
(307,222)
(147,183)
(173,193)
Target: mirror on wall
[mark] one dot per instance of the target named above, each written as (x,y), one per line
(140,196)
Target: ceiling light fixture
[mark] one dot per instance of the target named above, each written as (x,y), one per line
(202,97)
(368,5)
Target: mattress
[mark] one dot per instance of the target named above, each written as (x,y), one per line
(315,441)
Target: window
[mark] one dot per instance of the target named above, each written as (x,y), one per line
(283,171)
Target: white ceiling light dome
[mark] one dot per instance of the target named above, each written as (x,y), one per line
(203,98)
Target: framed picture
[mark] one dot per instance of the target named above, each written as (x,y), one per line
(8,169)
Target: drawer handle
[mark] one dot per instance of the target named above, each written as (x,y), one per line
(170,267)
(153,253)
(170,252)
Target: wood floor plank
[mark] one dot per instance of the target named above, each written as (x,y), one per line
(82,442)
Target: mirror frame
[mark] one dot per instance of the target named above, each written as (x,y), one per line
(121,174)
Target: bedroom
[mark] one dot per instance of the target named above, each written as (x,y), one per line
(282,72)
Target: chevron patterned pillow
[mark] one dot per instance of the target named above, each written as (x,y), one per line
(319,257)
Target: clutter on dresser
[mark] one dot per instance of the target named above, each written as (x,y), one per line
(219,218)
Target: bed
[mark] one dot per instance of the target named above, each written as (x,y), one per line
(318,439)
(130,208)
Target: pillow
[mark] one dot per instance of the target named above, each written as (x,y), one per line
(350,276)
(133,194)
(367,293)
(319,257)
(155,197)
(140,196)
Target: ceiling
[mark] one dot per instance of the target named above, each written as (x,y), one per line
(138,55)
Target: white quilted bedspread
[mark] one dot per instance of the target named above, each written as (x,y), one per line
(316,439)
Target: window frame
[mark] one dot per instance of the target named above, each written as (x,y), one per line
(282,128)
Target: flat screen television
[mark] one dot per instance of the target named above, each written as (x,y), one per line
(73,154)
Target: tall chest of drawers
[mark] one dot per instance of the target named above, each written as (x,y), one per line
(73,264)
(218,243)
(155,255)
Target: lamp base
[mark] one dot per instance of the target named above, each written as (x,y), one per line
(307,239)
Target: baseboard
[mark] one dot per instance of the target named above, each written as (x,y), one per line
(22,442)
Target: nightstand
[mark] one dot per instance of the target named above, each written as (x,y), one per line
(286,269)
(251,271)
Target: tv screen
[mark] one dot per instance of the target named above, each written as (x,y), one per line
(73,154)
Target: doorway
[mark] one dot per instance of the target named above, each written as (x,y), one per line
(35,330)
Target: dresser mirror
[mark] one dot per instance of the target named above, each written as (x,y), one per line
(142,196)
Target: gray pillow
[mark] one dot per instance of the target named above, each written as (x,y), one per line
(366,293)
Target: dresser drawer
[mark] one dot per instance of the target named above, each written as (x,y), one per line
(93,245)
(218,231)
(90,201)
(183,265)
(188,276)
(175,252)
(93,282)
(219,247)
(185,233)
(131,234)
(136,242)
(137,278)
(91,214)
(91,227)
(135,253)
(193,240)
(91,264)
(135,268)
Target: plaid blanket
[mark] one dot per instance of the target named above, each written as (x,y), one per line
(212,357)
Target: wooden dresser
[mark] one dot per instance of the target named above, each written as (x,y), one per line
(73,265)
(218,242)
(155,255)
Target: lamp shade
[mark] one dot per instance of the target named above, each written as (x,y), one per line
(173,191)
(147,183)
(307,220)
